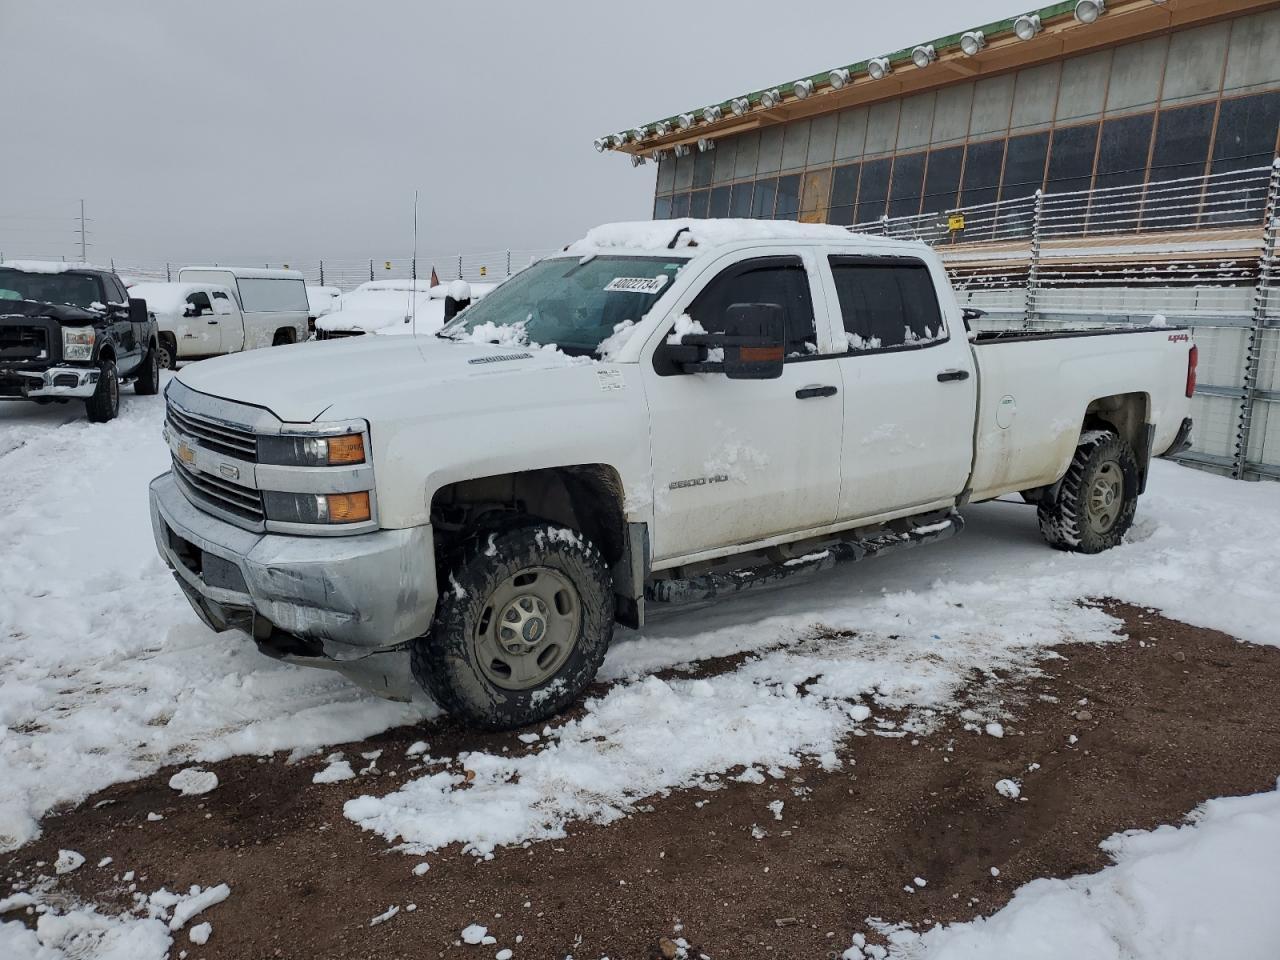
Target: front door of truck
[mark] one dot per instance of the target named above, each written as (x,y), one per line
(230,325)
(910,391)
(741,460)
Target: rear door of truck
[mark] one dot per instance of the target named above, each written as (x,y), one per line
(910,385)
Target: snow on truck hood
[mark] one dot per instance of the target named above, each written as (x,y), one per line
(354,376)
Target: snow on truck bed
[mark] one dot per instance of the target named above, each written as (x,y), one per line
(106,675)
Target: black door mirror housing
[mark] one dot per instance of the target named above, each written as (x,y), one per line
(137,310)
(750,343)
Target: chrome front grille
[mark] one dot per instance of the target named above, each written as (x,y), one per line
(220,437)
(220,496)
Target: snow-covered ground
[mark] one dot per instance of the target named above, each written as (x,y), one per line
(106,675)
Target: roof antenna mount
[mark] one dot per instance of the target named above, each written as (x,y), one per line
(672,244)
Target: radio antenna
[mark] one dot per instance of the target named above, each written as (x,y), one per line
(413,293)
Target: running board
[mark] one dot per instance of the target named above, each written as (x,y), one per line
(711,585)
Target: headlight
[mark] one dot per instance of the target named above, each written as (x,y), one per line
(297,451)
(77,343)
(317,508)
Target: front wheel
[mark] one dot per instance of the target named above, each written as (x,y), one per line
(523,623)
(105,402)
(1097,499)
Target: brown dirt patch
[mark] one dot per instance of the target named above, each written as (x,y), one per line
(1178,714)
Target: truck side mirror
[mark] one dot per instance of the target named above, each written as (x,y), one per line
(137,310)
(749,345)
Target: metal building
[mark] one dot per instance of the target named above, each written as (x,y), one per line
(1094,161)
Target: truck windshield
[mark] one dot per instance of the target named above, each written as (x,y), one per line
(572,304)
(77,289)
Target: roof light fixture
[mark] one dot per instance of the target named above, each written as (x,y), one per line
(972,42)
(1088,11)
(637,160)
(662,128)
(770,98)
(740,106)
(639,133)
(802,89)
(1027,26)
(924,55)
(712,114)
(705,144)
(681,149)
(839,78)
(601,144)
(879,67)
(618,140)
(685,120)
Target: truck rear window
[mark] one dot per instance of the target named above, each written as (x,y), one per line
(264,295)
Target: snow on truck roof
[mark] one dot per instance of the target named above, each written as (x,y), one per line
(690,236)
(249,273)
(171,297)
(52,266)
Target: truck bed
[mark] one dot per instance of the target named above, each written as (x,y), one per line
(982,337)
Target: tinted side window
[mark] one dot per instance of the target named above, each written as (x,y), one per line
(200,299)
(887,303)
(116,290)
(780,280)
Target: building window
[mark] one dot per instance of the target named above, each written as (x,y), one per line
(766,191)
(698,204)
(1024,166)
(887,304)
(662,208)
(844,193)
(719,203)
(787,206)
(1071,159)
(982,165)
(1123,151)
(679,206)
(740,199)
(1247,132)
(942,181)
(1182,142)
(904,194)
(873,190)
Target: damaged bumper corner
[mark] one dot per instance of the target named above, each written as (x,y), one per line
(349,604)
(54,382)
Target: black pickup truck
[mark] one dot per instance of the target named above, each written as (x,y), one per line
(71,332)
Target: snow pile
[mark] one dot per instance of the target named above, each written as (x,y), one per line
(321,300)
(170,299)
(655,235)
(68,861)
(193,781)
(85,933)
(1206,889)
(387,306)
(50,266)
(338,769)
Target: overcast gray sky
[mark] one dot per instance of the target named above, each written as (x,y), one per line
(263,130)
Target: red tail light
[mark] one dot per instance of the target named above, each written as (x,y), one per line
(1193,357)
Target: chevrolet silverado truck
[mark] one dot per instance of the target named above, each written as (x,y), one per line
(69,331)
(664,413)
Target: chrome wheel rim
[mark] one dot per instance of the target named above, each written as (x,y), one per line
(527,629)
(165,361)
(1106,497)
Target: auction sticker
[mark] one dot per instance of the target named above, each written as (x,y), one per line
(638,284)
(609,378)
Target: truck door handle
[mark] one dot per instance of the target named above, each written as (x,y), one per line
(213,322)
(948,375)
(807,393)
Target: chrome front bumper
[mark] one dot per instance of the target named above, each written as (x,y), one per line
(58,382)
(345,603)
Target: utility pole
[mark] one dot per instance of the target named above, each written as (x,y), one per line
(84,255)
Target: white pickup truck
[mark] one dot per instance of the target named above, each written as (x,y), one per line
(666,412)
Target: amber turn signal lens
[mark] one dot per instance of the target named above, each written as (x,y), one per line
(348,507)
(348,449)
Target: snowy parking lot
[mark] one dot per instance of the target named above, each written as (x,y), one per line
(738,720)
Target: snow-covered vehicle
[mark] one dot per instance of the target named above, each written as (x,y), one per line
(665,412)
(397,307)
(196,320)
(320,300)
(71,331)
(273,303)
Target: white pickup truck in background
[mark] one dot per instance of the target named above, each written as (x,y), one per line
(274,303)
(196,320)
(667,412)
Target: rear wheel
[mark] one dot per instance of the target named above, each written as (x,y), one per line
(148,382)
(168,356)
(1097,499)
(523,623)
(282,337)
(105,402)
